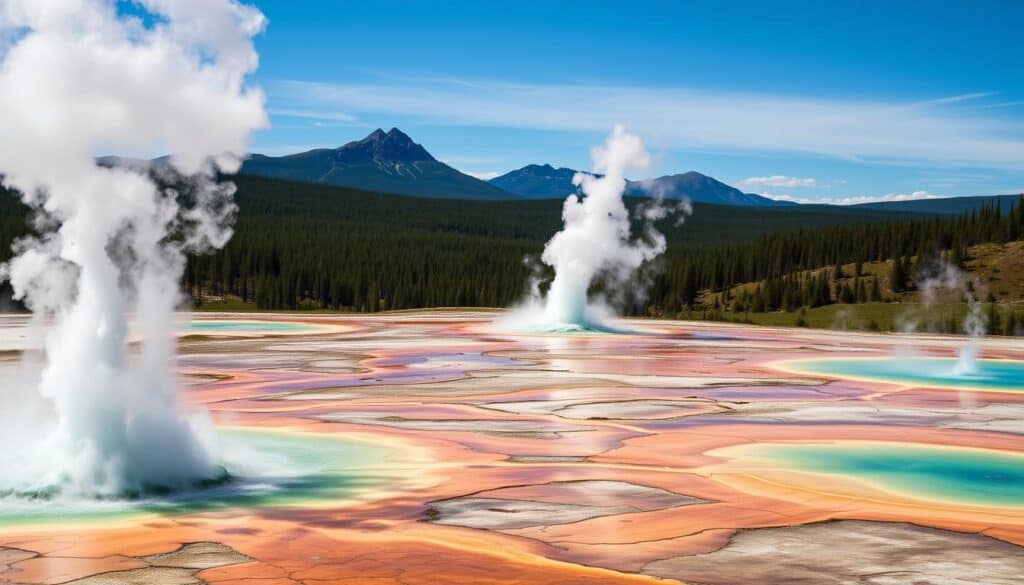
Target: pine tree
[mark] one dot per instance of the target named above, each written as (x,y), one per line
(994,323)
(956,255)
(1010,329)
(897,275)
(846,294)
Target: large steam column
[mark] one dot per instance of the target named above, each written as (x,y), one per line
(80,79)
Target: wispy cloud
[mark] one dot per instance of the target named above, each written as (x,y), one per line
(778,181)
(318,115)
(283,149)
(856,199)
(948,130)
(483,175)
(457,161)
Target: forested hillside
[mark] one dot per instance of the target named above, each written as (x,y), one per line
(309,246)
(863,277)
(306,246)
(913,242)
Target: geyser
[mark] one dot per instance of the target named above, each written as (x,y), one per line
(80,77)
(595,243)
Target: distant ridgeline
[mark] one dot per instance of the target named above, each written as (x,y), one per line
(314,246)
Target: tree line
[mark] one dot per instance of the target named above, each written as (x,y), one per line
(299,246)
(782,262)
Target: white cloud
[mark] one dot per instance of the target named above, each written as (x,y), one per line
(483,175)
(787,197)
(856,199)
(283,149)
(916,195)
(946,131)
(456,161)
(778,181)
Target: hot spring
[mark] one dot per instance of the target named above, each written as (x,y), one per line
(977,477)
(266,468)
(934,372)
(250,327)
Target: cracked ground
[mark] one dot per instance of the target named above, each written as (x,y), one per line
(514,458)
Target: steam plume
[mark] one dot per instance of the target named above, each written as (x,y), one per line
(949,278)
(78,77)
(595,242)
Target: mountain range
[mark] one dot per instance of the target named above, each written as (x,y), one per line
(699,188)
(391,162)
(547,182)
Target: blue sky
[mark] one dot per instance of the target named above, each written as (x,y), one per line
(811,100)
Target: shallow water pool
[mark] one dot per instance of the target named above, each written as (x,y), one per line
(985,477)
(268,468)
(996,375)
(254,326)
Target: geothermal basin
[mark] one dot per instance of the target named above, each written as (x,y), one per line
(434,447)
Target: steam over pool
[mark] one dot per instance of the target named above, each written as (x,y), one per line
(268,468)
(82,78)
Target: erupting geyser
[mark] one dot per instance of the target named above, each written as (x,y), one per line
(79,77)
(595,242)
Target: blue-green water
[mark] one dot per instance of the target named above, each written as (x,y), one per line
(974,476)
(268,469)
(1006,376)
(249,327)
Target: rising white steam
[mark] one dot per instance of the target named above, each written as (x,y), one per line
(954,281)
(595,243)
(79,78)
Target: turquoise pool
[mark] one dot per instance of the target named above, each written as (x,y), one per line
(268,469)
(250,327)
(975,476)
(997,375)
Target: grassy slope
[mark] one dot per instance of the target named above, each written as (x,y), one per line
(864,316)
(998,268)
